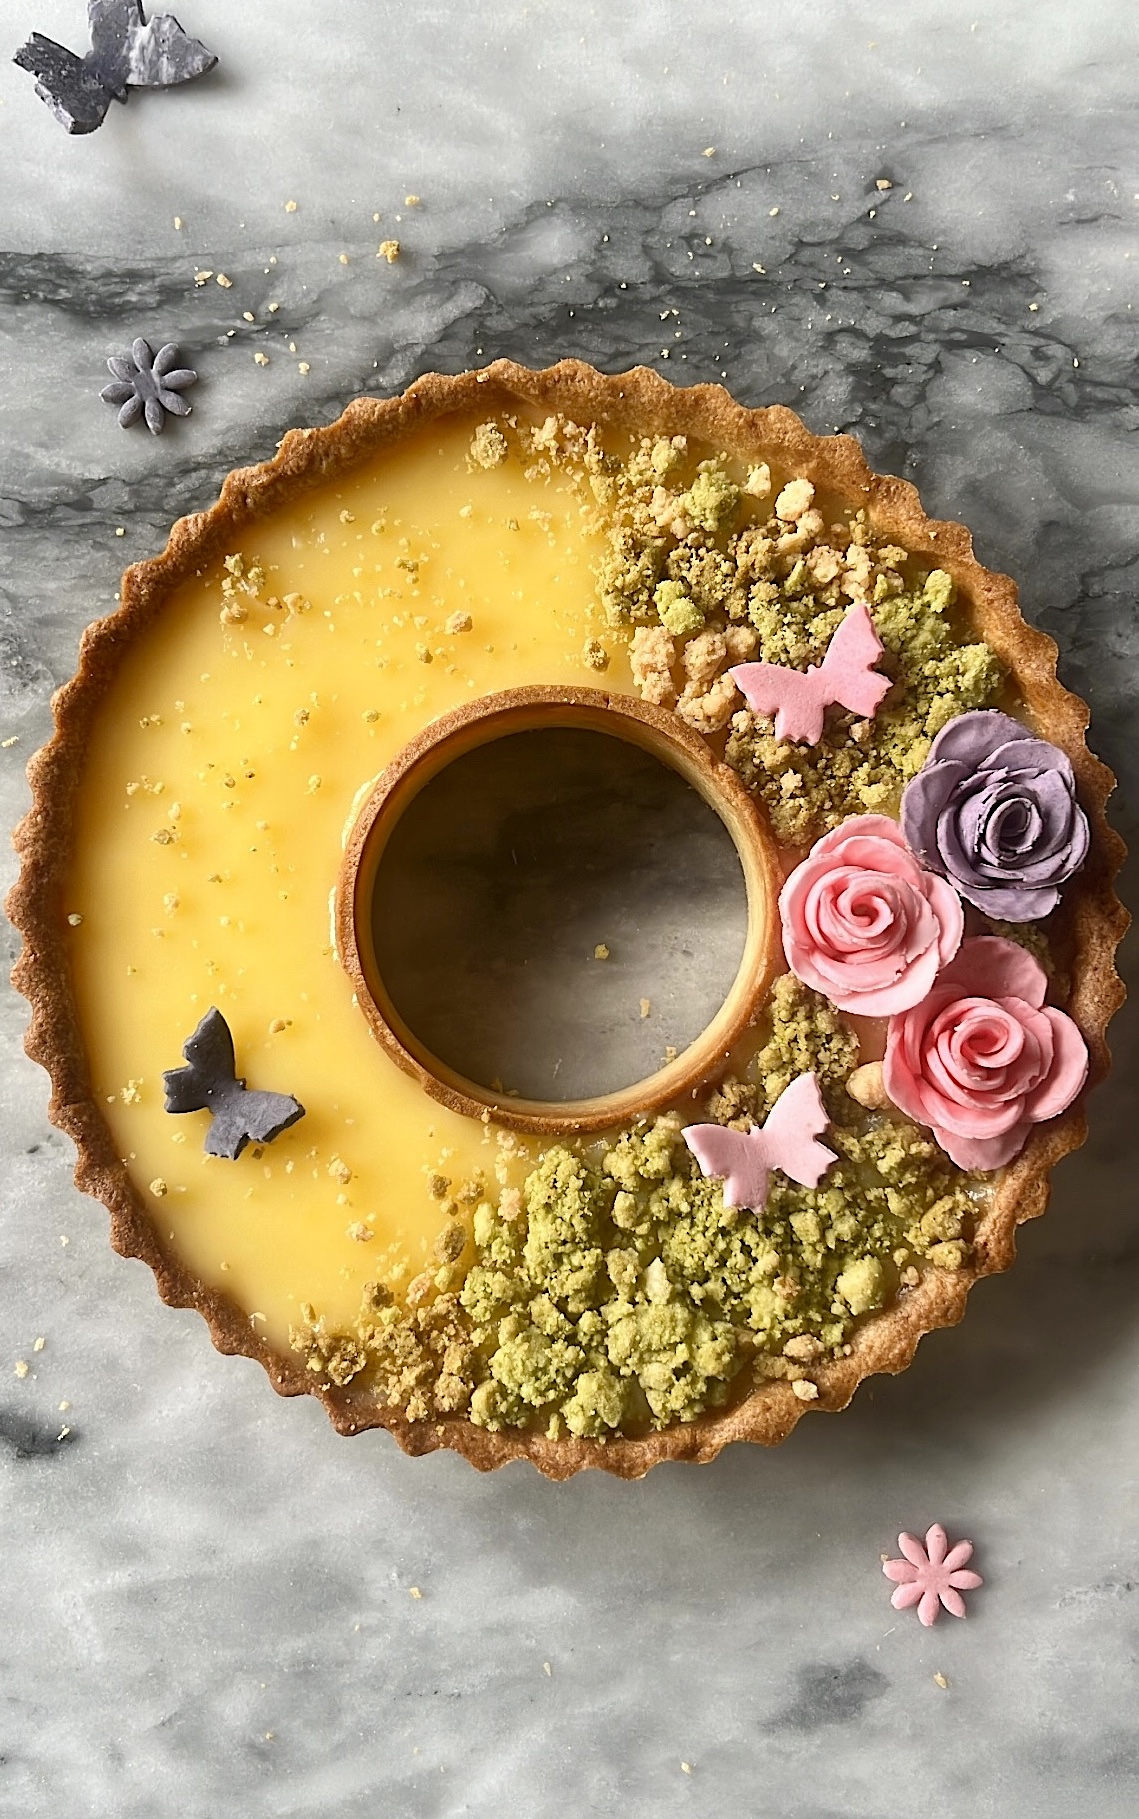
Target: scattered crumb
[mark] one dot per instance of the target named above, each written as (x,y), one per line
(202,277)
(866,1087)
(389,250)
(708,152)
(413,1591)
(883,183)
(22,1368)
(75,919)
(344,258)
(488,446)
(278,1024)
(7,743)
(303,366)
(290,208)
(261,359)
(686,1768)
(547,1669)
(248,316)
(458,622)
(773,212)
(601,952)
(120,530)
(646,1006)
(363,1234)
(158,1187)
(226,283)
(805,1389)
(178,222)
(411,202)
(940,1680)
(595,655)
(340,1171)
(38,1346)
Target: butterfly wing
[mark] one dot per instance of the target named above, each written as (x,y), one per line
(161,54)
(796,1119)
(242,1117)
(797,698)
(69,86)
(847,670)
(111,23)
(211,1073)
(737,1159)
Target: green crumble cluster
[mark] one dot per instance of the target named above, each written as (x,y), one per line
(708,565)
(616,1292)
(622,1294)
(861,766)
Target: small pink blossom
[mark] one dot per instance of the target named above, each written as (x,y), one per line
(931,1576)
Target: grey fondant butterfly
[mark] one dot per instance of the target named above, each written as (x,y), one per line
(127,51)
(210,1084)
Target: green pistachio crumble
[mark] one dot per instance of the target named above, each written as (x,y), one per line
(692,551)
(616,1293)
(861,766)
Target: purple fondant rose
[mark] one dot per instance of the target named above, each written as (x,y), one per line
(994,810)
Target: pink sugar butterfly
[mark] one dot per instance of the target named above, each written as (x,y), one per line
(844,678)
(743,1161)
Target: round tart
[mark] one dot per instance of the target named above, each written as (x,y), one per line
(782,1209)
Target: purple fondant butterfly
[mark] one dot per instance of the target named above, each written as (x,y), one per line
(127,51)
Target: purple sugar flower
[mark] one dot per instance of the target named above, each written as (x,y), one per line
(148,384)
(994,811)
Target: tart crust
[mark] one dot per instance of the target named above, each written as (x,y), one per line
(641,402)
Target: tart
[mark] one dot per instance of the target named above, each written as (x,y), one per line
(779,1211)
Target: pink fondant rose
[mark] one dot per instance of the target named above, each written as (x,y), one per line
(864,924)
(984,1058)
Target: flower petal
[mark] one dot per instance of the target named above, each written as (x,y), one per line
(117,392)
(953,1601)
(179,380)
(959,1553)
(142,355)
(913,1550)
(929,1608)
(906,1596)
(936,1543)
(155,417)
(902,1572)
(131,411)
(966,1580)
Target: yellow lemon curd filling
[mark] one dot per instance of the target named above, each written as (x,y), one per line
(583,1285)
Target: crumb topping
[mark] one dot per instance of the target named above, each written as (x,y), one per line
(615,1292)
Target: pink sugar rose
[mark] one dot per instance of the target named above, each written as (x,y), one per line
(864,924)
(983,1058)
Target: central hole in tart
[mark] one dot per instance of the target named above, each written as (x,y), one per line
(538,894)
(547,904)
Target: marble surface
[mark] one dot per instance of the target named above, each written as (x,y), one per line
(208,1603)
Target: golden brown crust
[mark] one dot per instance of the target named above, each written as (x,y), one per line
(641,402)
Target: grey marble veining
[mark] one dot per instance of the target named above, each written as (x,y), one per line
(205,1597)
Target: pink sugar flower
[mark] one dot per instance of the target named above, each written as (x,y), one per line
(983,1058)
(931,1576)
(864,923)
